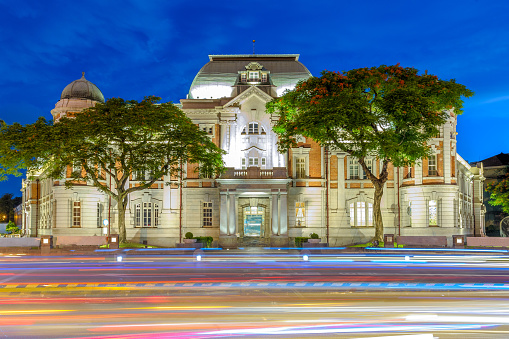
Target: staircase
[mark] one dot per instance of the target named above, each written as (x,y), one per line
(254,242)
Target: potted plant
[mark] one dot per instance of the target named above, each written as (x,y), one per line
(189,238)
(314,238)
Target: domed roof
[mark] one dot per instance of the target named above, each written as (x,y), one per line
(82,89)
(216,78)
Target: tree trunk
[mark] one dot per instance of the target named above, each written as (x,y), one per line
(377,211)
(121,220)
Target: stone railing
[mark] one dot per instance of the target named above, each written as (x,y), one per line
(254,173)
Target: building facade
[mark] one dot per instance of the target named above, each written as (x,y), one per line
(265,197)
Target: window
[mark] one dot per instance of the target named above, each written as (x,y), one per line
(264,162)
(243,163)
(243,77)
(253,128)
(300,214)
(354,169)
(409,211)
(433,213)
(147,214)
(369,164)
(99,215)
(254,76)
(253,162)
(76,214)
(432,165)
(300,168)
(264,77)
(361,214)
(409,173)
(137,216)
(156,214)
(207,214)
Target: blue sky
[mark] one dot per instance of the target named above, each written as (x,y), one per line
(132,49)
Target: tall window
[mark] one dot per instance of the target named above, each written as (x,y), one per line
(433,213)
(361,214)
(243,77)
(243,163)
(207,214)
(264,77)
(147,214)
(156,214)
(432,165)
(76,214)
(300,214)
(137,215)
(253,162)
(253,128)
(99,215)
(354,168)
(264,162)
(369,164)
(300,168)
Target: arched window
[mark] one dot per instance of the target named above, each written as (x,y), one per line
(253,128)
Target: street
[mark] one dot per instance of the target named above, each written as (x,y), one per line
(256,295)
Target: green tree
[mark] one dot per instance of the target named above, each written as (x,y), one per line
(499,193)
(11,228)
(389,112)
(118,139)
(7,204)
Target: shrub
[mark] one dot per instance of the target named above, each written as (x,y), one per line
(314,236)
(300,240)
(11,228)
(189,235)
(206,241)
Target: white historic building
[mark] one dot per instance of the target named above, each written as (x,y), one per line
(264,197)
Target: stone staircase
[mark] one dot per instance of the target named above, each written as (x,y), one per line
(254,242)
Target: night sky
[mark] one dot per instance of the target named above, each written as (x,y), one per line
(132,49)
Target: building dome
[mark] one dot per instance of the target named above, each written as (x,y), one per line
(216,79)
(82,89)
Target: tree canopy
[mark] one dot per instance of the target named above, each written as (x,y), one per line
(120,139)
(500,192)
(387,112)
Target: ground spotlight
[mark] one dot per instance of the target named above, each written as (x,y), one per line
(305,257)
(198,257)
(119,258)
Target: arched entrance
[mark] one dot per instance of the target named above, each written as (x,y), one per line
(254,221)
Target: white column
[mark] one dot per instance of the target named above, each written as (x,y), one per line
(447,153)
(223,213)
(418,172)
(283,215)
(275,210)
(232,215)
(166,193)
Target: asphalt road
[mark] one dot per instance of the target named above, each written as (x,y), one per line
(416,296)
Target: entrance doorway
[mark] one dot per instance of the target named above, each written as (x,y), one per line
(254,220)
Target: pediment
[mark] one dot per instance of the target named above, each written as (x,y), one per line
(251,147)
(252,91)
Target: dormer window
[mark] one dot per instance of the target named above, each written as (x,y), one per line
(254,76)
(264,77)
(243,77)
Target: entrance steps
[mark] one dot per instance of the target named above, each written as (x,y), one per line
(254,242)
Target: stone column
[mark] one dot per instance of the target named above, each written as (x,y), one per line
(447,153)
(232,214)
(223,213)
(283,213)
(166,194)
(275,211)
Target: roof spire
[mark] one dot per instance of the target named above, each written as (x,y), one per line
(254,47)
(82,74)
